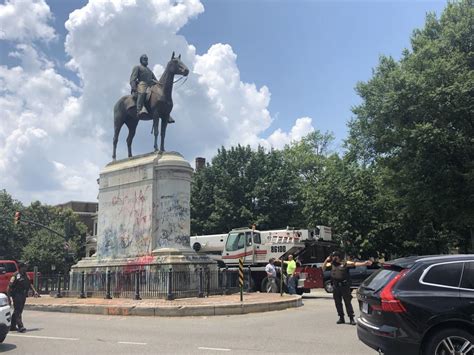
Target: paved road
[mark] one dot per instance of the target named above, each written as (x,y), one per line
(310,329)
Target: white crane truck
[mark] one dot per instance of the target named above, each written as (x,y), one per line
(257,247)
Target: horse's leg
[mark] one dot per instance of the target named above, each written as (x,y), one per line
(118,123)
(164,123)
(132,126)
(155,132)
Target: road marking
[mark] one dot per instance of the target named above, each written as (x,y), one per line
(131,343)
(216,349)
(41,337)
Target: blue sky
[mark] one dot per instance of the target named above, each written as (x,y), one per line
(262,72)
(310,53)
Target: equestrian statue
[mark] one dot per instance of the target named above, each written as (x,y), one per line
(150,100)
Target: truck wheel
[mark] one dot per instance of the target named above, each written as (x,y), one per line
(328,286)
(197,246)
(265,287)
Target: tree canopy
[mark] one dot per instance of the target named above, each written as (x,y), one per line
(416,126)
(40,246)
(404,185)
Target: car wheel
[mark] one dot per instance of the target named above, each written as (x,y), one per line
(450,341)
(3,336)
(328,286)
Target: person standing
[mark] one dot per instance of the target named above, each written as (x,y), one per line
(270,269)
(17,290)
(340,279)
(290,272)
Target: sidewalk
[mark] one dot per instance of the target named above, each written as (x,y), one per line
(208,306)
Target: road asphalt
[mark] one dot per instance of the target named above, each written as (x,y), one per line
(310,329)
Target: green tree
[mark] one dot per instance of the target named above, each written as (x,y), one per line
(61,248)
(44,250)
(306,159)
(273,197)
(12,237)
(241,187)
(345,198)
(202,201)
(416,125)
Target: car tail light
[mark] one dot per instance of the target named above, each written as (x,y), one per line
(388,300)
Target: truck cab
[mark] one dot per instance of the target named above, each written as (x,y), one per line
(256,247)
(248,244)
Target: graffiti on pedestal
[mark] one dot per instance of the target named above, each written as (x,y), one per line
(108,243)
(173,220)
(127,223)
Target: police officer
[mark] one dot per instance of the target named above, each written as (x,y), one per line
(18,289)
(341,282)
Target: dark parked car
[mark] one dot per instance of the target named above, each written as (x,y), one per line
(419,305)
(358,275)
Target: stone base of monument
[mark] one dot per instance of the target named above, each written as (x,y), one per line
(144,228)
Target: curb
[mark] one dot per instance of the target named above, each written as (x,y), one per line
(170,311)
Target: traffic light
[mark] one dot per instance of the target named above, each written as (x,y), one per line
(17,217)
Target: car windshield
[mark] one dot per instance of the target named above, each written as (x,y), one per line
(9,267)
(379,279)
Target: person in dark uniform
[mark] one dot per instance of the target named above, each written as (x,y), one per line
(342,283)
(142,78)
(17,290)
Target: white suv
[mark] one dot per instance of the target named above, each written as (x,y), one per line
(5,317)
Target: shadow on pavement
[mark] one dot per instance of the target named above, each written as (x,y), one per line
(317,296)
(7,347)
(29,330)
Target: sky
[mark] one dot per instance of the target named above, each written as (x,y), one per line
(262,72)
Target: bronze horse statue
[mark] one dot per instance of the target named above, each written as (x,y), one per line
(159,105)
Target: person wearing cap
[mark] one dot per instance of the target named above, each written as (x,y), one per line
(340,278)
(17,290)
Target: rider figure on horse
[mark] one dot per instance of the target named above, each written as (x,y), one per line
(141,79)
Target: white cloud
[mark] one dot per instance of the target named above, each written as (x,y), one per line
(25,20)
(278,139)
(60,135)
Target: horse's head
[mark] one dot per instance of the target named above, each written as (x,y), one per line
(176,66)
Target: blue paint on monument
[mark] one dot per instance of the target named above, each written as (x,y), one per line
(173,224)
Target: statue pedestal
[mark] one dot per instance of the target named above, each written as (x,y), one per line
(144,206)
(144,217)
